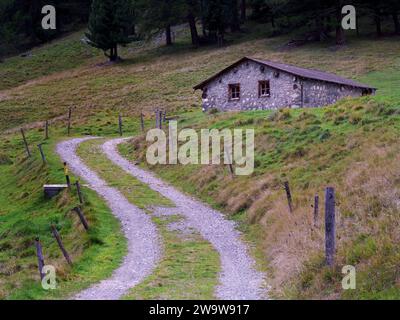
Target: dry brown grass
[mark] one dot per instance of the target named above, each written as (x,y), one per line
(152,77)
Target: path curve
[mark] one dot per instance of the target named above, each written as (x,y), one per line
(238,279)
(140,232)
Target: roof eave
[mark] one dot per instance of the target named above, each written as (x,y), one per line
(207,81)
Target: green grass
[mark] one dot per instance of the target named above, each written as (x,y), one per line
(311,148)
(63,54)
(188,270)
(352,146)
(189,266)
(152,76)
(25,215)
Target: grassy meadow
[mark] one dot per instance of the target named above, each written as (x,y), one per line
(352,146)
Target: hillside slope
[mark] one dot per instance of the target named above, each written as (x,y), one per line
(352,146)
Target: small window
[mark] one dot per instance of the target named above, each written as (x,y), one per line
(264,89)
(234,92)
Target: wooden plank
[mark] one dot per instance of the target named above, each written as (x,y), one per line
(316,210)
(42,153)
(39,254)
(142,121)
(51,190)
(78,189)
(60,244)
(81,217)
(25,143)
(120,124)
(288,196)
(330,232)
(66,173)
(46,129)
(69,121)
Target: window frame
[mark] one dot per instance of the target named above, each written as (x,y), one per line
(260,88)
(231,88)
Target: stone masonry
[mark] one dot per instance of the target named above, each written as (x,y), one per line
(286,89)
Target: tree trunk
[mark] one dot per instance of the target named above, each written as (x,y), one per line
(243,10)
(116,52)
(193,29)
(235,22)
(168,38)
(319,24)
(256,9)
(111,56)
(204,29)
(396,22)
(340,37)
(378,22)
(272,20)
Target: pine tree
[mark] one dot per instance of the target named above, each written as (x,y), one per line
(109,25)
(159,15)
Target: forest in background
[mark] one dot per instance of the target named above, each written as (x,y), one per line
(208,20)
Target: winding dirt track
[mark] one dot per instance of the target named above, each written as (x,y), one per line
(140,232)
(238,279)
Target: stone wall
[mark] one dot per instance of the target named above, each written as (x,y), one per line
(286,90)
(317,93)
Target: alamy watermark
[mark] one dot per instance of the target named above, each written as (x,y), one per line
(195,148)
(349,21)
(49,20)
(49,278)
(349,280)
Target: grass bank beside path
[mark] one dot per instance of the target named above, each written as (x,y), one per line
(189,265)
(25,214)
(352,146)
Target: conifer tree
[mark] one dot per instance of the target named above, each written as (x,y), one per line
(109,25)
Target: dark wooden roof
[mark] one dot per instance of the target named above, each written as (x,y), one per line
(297,71)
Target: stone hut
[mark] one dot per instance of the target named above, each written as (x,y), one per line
(253,84)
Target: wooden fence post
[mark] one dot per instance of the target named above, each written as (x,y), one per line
(160,119)
(46,130)
(69,121)
(164,116)
(157,114)
(81,217)
(330,233)
(42,153)
(78,189)
(289,196)
(120,124)
(142,121)
(39,254)
(316,210)
(67,175)
(25,143)
(60,244)
(230,164)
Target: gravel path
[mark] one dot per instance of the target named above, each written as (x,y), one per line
(238,279)
(141,234)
